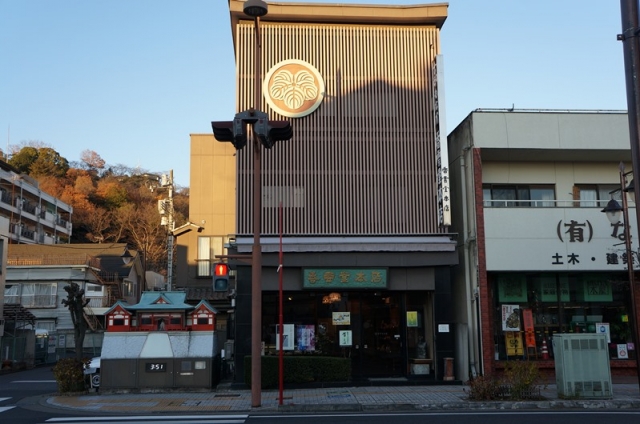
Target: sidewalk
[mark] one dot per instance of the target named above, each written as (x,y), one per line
(350,399)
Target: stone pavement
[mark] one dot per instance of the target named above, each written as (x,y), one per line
(347,399)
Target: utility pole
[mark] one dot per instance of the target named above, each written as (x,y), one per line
(171,225)
(165,208)
(631,51)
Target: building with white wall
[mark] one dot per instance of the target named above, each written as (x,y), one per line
(528,189)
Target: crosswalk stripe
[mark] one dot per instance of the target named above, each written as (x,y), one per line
(34,381)
(240,418)
(128,420)
(3,399)
(6,408)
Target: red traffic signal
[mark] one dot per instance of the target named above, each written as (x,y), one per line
(221,270)
(220,277)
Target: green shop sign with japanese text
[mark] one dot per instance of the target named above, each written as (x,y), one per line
(512,288)
(344,278)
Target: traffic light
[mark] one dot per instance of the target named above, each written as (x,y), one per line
(220,277)
(271,131)
(268,132)
(233,131)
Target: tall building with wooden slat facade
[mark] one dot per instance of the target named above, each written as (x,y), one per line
(361,188)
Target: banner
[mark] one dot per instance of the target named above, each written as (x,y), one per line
(510,318)
(306,336)
(287,341)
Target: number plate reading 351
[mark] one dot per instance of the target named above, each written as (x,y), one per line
(156,367)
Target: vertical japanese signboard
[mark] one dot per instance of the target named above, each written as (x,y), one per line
(442,153)
(513,341)
(529,331)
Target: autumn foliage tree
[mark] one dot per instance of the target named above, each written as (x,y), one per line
(111,203)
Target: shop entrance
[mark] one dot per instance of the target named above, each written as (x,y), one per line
(378,339)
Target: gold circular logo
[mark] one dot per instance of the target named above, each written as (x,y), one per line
(293,88)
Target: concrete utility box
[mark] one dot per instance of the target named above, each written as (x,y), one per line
(160,360)
(582,366)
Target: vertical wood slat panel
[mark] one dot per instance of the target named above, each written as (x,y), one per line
(365,159)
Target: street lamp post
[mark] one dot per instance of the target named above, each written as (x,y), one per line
(613,211)
(256,9)
(263,133)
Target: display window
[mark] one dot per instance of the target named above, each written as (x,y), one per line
(531,308)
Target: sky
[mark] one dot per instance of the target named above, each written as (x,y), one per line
(132,79)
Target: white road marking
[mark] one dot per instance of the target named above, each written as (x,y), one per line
(169,418)
(34,381)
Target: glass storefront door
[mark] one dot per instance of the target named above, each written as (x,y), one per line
(378,338)
(371,328)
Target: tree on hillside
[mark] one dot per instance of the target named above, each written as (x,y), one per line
(91,160)
(23,159)
(142,224)
(111,193)
(111,203)
(181,204)
(39,161)
(49,162)
(52,185)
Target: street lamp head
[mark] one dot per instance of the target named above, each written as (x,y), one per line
(255,8)
(613,211)
(631,191)
(126,256)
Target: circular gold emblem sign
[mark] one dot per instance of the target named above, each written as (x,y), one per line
(293,88)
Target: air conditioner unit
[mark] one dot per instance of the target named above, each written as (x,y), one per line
(228,349)
(582,365)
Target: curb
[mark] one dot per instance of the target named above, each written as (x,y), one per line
(523,405)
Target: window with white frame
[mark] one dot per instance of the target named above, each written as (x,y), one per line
(522,195)
(208,248)
(38,295)
(93,289)
(12,293)
(597,195)
(128,288)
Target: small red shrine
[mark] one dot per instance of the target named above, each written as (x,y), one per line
(161,311)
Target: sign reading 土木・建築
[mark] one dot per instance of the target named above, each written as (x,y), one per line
(345,278)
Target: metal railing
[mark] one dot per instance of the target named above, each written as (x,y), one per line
(98,302)
(546,203)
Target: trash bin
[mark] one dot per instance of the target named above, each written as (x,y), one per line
(448,370)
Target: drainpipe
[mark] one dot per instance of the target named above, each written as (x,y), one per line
(472,295)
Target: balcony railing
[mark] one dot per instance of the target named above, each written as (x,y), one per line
(547,203)
(39,301)
(6,198)
(98,302)
(28,207)
(26,233)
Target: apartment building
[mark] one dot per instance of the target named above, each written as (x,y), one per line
(35,217)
